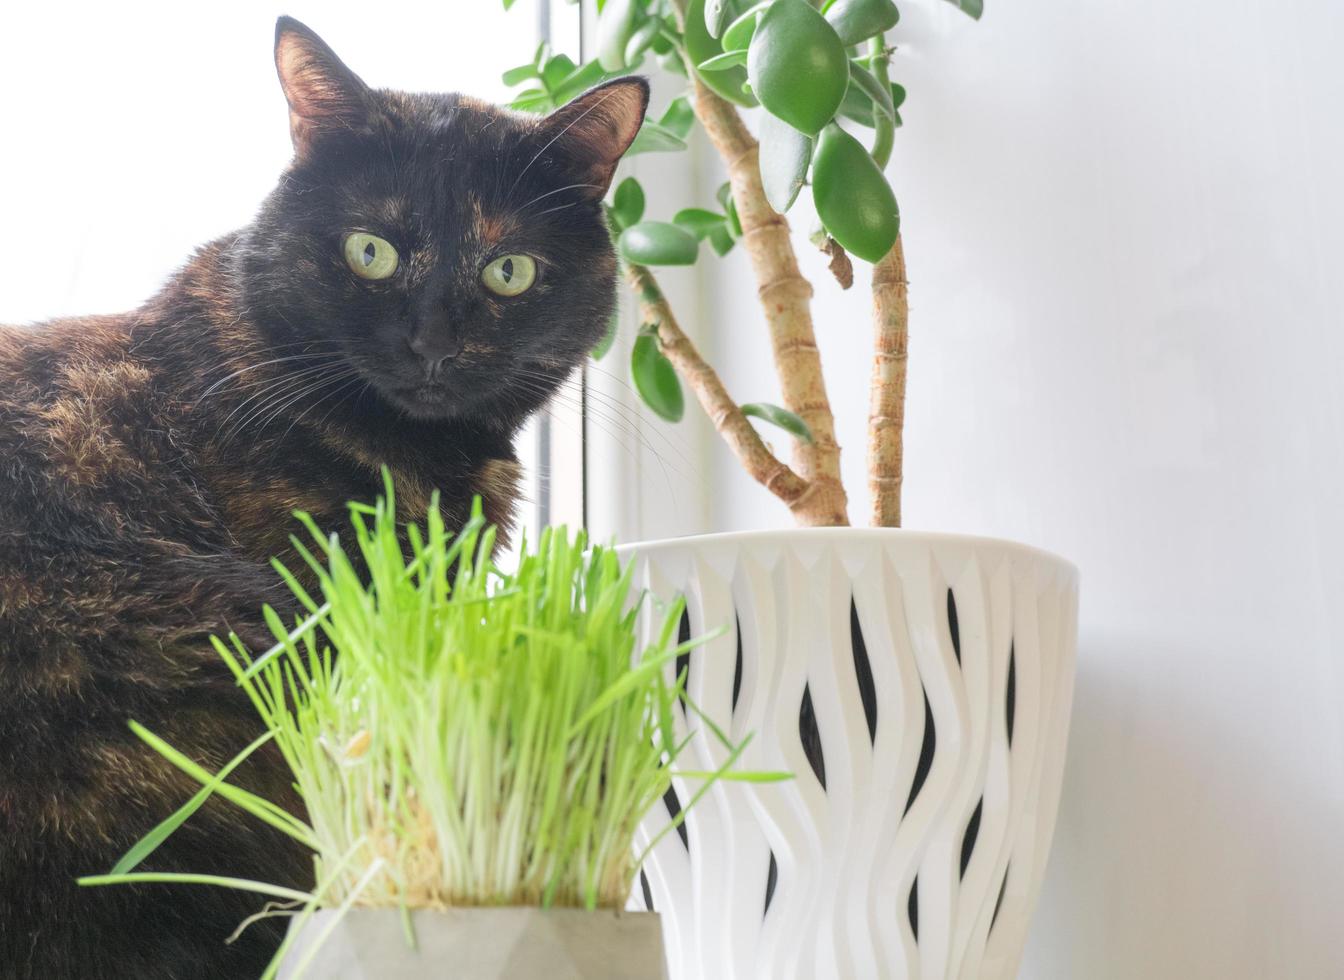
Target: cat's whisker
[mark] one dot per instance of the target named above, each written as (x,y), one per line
(352,378)
(622,430)
(354,386)
(272,396)
(558,190)
(283,403)
(273,385)
(553,210)
(253,367)
(635,421)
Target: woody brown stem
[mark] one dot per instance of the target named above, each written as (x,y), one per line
(754,455)
(886,410)
(785,296)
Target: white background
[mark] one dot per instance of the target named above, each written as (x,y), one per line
(1124,224)
(1124,221)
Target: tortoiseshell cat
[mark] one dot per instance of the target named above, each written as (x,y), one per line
(427,271)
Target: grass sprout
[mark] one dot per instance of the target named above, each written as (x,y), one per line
(460,735)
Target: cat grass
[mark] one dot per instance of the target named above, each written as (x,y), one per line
(461,735)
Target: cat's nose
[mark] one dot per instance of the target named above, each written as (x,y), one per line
(435,348)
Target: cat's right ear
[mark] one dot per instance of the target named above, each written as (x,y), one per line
(595,129)
(324,96)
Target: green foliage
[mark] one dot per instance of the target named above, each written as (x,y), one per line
(627,204)
(781,417)
(699,222)
(678,117)
(797,65)
(459,735)
(810,64)
(616,24)
(879,95)
(556,80)
(785,154)
(608,339)
(722,62)
(858,20)
(853,199)
(655,138)
(701,47)
(656,379)
(717,15)
(973,8)
(658,243)
(737,35)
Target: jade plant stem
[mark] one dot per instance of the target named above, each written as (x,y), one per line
(751,451)
(785,297)
(886,404)
(891,319)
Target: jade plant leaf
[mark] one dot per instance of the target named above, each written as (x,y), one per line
(717,13)
(699,222)
(858,20)
(627,204)
(658,243)
(781,417)
(656,379)
(654,138)
(533,100)
(973,8)
(516,76)
(616,24)
(578,81)
(558,68)
(724,194)
(785,154)
(797,67)
(641,40)
(722,62)
(721,240)
(604,345)
(734,222)
(701,46)
(679,117)
(857,107)
(737,35)
(879,94)
(853,198)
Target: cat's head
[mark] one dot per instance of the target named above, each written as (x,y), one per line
(456,254)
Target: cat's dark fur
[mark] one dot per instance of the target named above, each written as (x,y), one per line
(149,463)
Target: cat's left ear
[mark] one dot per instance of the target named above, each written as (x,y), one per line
(595,129)
(324,96)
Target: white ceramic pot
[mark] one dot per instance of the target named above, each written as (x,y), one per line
(477,944)
(919,686)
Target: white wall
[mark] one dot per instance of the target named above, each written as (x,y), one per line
(1124,222)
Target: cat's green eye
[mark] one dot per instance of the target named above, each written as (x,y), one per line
(510,275)
(369,256)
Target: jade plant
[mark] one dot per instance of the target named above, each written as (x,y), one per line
(459,735)
(821,71)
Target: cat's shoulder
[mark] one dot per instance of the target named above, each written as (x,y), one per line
(77,399)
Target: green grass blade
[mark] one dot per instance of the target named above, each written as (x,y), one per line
(172,878)
(151,841)
(262,809)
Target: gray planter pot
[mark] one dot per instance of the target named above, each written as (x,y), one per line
(483,944)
